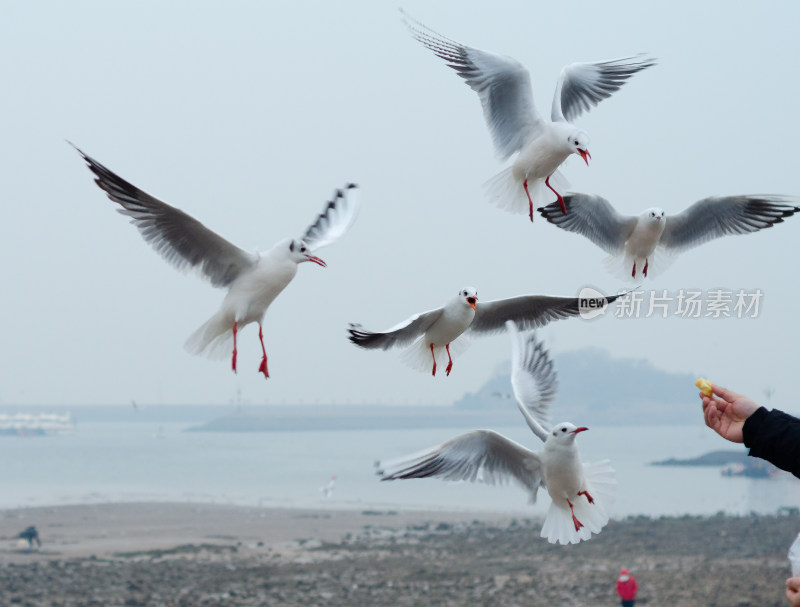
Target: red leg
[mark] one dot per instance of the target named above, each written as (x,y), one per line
(575,521)
(560,199)
(434,360)
(449,360)
(530,202)
(646,262)
(263,366)
(233,361)
(588,497)
(633,272)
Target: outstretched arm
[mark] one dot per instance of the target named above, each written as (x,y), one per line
(770,435)
(726,411)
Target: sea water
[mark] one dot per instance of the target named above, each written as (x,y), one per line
(138,461)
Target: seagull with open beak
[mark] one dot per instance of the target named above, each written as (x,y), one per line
(253,280)
(580,493)
(425,336)
(504,88)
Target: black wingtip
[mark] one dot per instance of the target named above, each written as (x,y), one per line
(552,212)
(350,186)
(80,151)
(624,293)
(361,337)
(354,330)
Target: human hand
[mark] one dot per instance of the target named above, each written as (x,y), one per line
(725,413)
(793,591)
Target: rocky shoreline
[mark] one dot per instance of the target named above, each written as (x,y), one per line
(228,556)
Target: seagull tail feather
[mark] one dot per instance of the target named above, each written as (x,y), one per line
(601,484)
(213,339)
(506,191)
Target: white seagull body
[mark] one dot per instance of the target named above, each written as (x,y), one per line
(504,88)
(425,335)
(580,493)
(633,242)
(327,489)
(253,280)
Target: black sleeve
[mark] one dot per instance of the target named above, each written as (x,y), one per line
(775,437)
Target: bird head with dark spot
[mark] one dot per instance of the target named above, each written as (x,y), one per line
(299,252)
(579,142)
(566,432)
(470,295)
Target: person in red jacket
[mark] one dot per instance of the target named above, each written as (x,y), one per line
(626,588)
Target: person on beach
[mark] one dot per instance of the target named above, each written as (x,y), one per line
(626,588)
(32,535)
(770,435)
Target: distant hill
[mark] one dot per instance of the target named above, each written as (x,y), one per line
(596,388)
(733,463)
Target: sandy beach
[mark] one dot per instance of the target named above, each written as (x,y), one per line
(156,554)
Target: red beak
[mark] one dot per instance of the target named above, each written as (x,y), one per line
(585,155)
(581,429)
(317,261)
(472,301)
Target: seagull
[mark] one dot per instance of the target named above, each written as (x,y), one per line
(426,334)
(634,240)
(504,88)
(579,492)
(253,280)
(327,489)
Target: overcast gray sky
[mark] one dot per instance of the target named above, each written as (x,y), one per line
(247,115)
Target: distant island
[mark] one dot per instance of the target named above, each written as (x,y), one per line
(732,463)
(714,458)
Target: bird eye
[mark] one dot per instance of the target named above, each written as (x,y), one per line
(302,249)
(563,429)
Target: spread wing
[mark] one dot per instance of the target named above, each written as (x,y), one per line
(527,311)
(533,379)
(502,83)
(480,455)
(398,336)
(177,237)
(337,217)
(594,218)
(583,85)
(719,216)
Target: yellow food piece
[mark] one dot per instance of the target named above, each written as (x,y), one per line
(705,386)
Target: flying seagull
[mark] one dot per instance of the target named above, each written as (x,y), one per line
(425,335)
(580,493)
(504,88)
(253,280)
(633,241)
